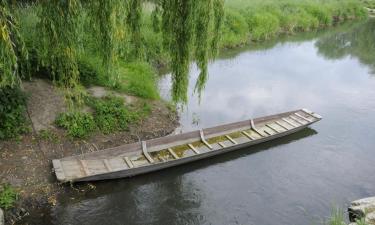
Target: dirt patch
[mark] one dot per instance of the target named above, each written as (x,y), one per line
(26,163)
(45,102)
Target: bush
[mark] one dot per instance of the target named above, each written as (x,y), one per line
(235,29)
(263,26)
(8,196)
(77,124)
(111,114)
(12,113)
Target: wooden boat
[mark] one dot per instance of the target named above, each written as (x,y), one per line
(160,153)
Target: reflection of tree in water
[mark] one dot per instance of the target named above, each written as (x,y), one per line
(358,42)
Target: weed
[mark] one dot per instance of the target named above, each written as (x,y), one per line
(78,124)
(8,196)
(48,135)
(111,114)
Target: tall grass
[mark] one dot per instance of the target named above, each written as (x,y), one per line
(260,20)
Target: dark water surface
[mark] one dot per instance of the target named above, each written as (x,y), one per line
(291,181)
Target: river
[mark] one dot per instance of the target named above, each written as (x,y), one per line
(291,181)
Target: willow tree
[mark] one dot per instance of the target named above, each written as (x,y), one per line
(13,54)
(191,32)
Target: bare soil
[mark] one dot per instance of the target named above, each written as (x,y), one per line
(26,163)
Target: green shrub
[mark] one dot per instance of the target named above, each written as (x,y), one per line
(8,197)
(12,113)
(111,114)
(263,26)
(235,29)
(138,79)
(77,124)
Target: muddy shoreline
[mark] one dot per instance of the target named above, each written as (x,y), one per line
(26,163)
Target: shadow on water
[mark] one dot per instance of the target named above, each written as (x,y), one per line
(174,173)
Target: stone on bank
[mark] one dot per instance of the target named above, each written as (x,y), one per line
(1,217)
(363,208)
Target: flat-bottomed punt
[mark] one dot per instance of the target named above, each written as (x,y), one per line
(160,153)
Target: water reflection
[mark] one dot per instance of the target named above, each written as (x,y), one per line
(357,42)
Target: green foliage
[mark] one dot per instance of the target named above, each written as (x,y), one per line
(48,135)
(8,197)
(337,217)
(111,114)
(13,55)
(78,124)
(12,113)
(235,29)
(138,79)
(263,26)
(269,18)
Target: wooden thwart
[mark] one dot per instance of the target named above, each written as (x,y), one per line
(252,126)
(145,152)
(247,135)
(296,120)
(281,125)
(193,148)
(173,153)
(204,140)
(231,139)
(272,128)
(128,162)
(84,167)
(304,118)
(106,164)
(288,122)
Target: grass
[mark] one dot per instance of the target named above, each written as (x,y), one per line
(8,196)
(261,20)
(338,218)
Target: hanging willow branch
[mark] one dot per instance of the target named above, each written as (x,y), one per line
(59,30)
(190,28)
(13,53)
(134,11)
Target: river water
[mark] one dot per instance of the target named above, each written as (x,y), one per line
(291,181)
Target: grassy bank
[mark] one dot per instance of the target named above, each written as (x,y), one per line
(260,20)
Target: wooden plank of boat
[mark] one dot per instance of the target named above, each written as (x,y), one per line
(281,125)
(231,139)
(247,135)
(107,164)
(173,153)
(193,148)
(128,162)
(252,126)
(302,117)
(204,140)
(145,152)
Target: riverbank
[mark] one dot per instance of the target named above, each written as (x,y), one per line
(26,163)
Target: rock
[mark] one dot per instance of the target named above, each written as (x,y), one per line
(370,218)
(360,208)
(1,217)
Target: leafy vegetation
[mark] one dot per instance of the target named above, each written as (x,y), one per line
(12,113)
(77,124)
(111,114)
(8,196)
